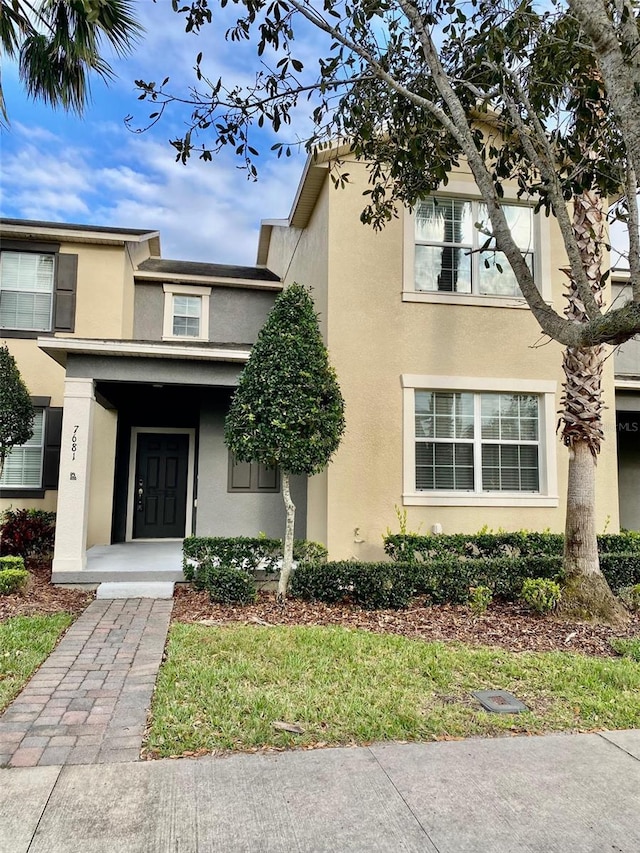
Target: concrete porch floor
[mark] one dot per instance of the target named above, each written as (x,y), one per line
(129,561)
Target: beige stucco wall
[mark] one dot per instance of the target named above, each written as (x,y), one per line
(103,449)
(374,337)
(104,309)
(104,301)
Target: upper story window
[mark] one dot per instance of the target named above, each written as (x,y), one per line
(186,312)
(448,254)
(23,466)
(187,316)
(26,290)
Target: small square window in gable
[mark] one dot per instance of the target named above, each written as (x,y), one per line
(186,312)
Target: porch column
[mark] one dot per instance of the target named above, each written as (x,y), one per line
(70,553)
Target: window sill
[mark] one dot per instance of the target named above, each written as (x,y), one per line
(185,339)
(464,299)
(23,333)
(6,493)
(473,499)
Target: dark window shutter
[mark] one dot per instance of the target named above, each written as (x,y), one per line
(65,304)
(52,442)
(267,479)
(239,475)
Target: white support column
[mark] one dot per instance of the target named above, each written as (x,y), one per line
(70,552)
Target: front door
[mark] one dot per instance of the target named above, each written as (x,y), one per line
(160,487)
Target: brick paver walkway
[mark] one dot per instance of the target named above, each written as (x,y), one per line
(88,702)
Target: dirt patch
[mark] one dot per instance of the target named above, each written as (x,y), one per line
(506,626)
(40,596)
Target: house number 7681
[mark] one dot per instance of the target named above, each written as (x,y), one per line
(74,441)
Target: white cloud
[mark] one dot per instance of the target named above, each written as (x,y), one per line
(56,166)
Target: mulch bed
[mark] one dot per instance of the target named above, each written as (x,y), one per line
(40,597)
(506,626)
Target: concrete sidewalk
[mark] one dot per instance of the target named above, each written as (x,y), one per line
(565,793)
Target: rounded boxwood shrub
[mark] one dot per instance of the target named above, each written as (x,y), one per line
(541,594)
(12,580)
(11,563)
(228,585)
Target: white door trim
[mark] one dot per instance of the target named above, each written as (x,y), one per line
(133,454)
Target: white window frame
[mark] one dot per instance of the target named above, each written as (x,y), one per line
(172,290)
(463,191)
(544,389)
(29,486)
(52,293)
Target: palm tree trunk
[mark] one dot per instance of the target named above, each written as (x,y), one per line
(287,562)
(586,590)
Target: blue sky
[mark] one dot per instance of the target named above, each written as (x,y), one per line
(56,166)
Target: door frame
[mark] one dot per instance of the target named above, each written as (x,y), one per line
(133,460)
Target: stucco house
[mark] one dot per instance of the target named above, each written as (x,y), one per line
(451,402)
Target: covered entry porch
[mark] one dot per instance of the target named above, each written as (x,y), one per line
(143,461)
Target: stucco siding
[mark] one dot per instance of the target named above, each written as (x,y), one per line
(176,372)
(223,514)
(374,338)
(101,481)
(236,315)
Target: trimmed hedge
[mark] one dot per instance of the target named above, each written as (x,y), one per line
(620,570)
(12,580)
(228,585)
(411,547)
(11,563)
(371,585)
(447,581)
(408,548)
(379,585)
(241,552)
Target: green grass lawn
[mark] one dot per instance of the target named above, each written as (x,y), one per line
(222,688)
(25,641)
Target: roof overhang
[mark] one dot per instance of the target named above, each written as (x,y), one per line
(60,348)
(220,281)
(60,234)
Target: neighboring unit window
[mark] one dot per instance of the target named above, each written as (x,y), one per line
(477,442)
(252,477)
(26,290)
(187,314)
(447,247)
(23,466)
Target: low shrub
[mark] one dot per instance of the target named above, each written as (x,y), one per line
(448,580)
(229,585)
(414,548)
(11,563)
(12,580)
(370,585)
(410,547)
(620,570)
(480,597)
(630,596)
(376,586)
(242,552)
(27,533)
(541,594)
(326,582)
(628,648)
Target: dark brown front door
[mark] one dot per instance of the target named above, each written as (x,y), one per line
(160,488)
